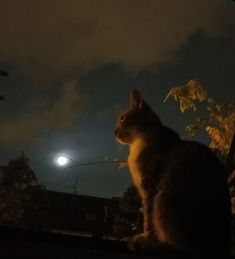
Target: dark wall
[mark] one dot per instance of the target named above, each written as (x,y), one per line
(80,213)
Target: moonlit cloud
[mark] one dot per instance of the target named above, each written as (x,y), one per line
(43,114)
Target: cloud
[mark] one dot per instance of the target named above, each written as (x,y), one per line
(64,112)
(58,36)
(42,115)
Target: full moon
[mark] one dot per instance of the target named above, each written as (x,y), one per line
(62,160)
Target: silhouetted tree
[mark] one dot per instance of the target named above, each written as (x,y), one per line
(3,73)
(23,201)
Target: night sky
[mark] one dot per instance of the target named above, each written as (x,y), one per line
(72,65)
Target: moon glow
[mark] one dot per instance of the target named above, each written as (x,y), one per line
(62,160)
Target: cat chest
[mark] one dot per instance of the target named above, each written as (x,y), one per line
(135,172)
(134,167)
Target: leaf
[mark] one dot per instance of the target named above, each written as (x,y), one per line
(187,95)
(123,165)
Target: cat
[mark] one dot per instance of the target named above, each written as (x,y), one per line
(182,185)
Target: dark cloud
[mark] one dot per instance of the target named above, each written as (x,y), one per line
(47,37)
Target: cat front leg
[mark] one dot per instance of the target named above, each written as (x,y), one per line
(146,240)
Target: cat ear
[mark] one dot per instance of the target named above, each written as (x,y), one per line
(136,99)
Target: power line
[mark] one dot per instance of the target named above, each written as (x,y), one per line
(76,163)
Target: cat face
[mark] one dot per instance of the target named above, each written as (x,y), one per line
(136,121)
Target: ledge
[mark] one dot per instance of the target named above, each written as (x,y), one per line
(21,243)
(37,244)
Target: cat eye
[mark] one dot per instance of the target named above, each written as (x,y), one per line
(122,118)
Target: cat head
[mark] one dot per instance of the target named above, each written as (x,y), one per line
(137,121)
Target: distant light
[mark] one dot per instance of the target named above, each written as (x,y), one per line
(62,160)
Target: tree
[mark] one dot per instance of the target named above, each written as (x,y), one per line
(218,121)
(22,199)
(3,73)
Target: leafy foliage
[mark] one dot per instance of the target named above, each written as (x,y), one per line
(218,122)
(187,95)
